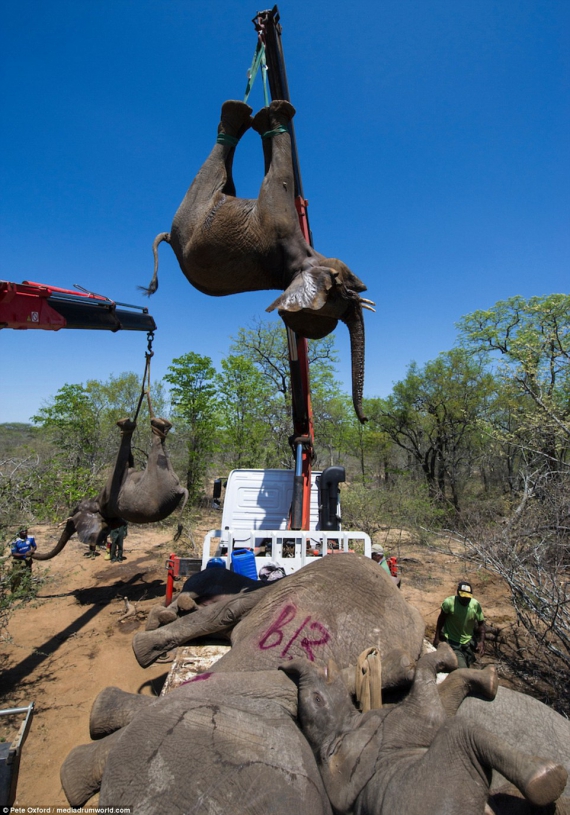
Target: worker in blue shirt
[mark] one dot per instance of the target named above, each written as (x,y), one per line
(22,550)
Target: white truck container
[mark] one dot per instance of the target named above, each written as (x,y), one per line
(255,516)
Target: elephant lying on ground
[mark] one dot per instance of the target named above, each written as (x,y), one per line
(335,607)
(410,759)
(523,721)
(208,586)
(138,497)
(226,245)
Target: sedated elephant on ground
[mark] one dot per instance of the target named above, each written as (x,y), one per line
(335,607)
(412,758)
(137,497)
(226,245)
(232,728)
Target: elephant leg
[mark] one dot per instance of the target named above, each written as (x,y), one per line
(215,176)
(114,708)
(540,780)
(109,495)
(453,774)
(82,771)
(465,681)
(424,694)
(160,615)
(276,198)
(211,619)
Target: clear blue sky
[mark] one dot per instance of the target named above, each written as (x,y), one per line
(433,138)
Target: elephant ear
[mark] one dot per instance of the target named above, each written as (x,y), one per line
(89,525)
(308,289)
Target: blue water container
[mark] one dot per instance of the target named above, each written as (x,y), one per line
(243,562)
(216,563)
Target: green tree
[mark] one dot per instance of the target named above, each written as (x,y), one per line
(265,344)
(531,341)
(243,393)
(433,414)
(80,424)
(194,407)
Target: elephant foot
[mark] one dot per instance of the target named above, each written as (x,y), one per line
(148,646)
(127,426)
(160,427)
(185,602)
(113,709)
(82,771)
(546,783)
(235,119)
(487,682)
(278,114)
(159,616)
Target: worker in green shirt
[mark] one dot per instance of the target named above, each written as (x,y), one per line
(461,623)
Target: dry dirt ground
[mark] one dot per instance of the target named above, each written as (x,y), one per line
(68,644)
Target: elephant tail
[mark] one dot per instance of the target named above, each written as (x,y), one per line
(162,236)
(64,537)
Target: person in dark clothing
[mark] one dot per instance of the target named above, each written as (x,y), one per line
(117,536)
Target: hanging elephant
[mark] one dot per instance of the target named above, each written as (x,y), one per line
(129,496)
(227,245)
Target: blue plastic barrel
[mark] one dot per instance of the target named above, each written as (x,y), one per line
(216,563)
(243,562)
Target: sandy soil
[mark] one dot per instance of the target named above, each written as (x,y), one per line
(69,644)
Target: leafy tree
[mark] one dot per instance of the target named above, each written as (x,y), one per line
(433,415)
(80,423)
(243,392)
(195,406)
(266,345)
(531,339)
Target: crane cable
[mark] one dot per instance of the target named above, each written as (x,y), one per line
(145,387)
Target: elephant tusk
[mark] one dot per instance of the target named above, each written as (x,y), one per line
(364,300)
(368,308)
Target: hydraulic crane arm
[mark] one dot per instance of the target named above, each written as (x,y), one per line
(269,31)
(35,305)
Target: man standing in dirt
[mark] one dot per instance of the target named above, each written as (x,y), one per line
(117,536)
(460,621)
(22,550)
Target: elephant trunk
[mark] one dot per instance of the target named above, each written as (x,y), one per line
(64,537)
(355,323)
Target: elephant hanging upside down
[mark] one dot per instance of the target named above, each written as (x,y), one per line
(138,497)
(227,245)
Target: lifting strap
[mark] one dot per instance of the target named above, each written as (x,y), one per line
(145,387)
(258,60)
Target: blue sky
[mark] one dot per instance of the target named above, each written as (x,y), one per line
(433,142)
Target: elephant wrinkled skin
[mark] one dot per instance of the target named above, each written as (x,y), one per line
(410,759)
(137,497)
(226,245)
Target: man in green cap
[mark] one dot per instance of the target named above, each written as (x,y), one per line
(461,623)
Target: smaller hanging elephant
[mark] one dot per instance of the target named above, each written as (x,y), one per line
(129,496)
(410,759)
(227,245)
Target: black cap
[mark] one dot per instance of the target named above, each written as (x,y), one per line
(464,589)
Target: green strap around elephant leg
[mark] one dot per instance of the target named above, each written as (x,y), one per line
(225,138)
(271,133)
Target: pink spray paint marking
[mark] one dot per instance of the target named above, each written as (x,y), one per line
(274,635)
(285,617)
(197,678)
